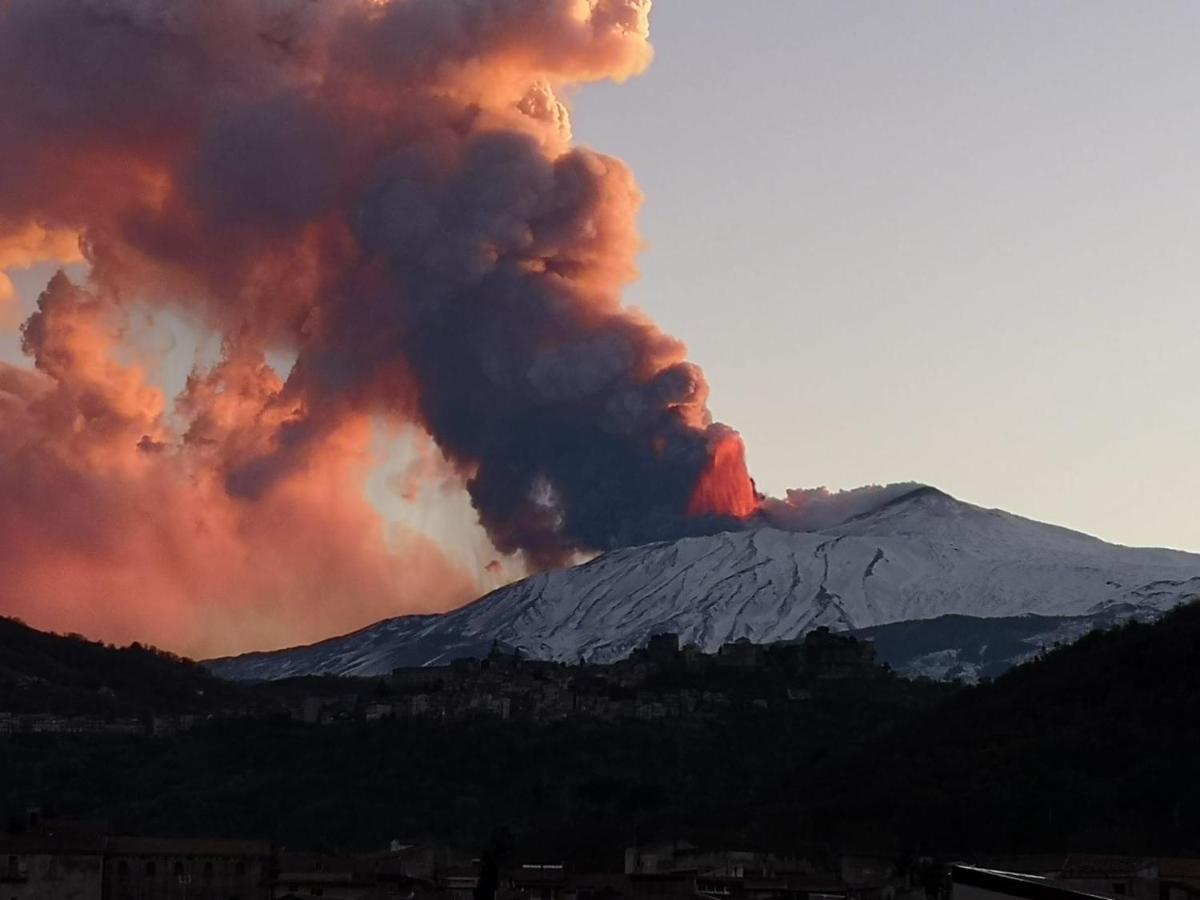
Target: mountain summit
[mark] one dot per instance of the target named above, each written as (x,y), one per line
(922,555)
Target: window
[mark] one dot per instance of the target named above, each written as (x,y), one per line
(208,869)
(178,867)
(150,869)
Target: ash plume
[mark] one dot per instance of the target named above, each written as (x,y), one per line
(389,191)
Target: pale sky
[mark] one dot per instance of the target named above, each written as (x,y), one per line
(953,242)
(949,242)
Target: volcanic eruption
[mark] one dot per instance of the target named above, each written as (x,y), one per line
(724,489)
(388,191)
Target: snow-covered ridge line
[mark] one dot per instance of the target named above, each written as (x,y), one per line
(920,556)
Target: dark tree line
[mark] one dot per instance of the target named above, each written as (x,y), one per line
(1092,747)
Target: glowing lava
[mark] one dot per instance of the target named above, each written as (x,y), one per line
(725,488)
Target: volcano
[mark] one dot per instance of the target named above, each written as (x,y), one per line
(920,556)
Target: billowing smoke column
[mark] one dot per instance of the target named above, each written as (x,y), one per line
(386,189)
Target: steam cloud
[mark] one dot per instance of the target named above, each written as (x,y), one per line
(388,190)
(812,509)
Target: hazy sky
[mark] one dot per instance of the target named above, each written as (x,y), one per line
(942,241)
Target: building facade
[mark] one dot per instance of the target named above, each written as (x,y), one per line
(138,868)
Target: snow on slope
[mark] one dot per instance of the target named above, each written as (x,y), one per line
(968,648)
(920,556)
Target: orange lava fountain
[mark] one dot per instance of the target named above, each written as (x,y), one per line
(725,487)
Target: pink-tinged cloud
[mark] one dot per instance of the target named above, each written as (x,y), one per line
(115,527)
(389,191)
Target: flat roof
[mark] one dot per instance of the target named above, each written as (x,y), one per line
(1028,887)
(154,846)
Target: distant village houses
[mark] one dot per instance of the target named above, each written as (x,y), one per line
(662,680)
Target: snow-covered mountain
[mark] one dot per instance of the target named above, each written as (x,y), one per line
(968,648)
(920,556)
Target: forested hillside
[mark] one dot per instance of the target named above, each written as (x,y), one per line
(1092,747)
(70,675)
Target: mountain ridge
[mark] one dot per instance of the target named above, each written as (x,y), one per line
(918,556)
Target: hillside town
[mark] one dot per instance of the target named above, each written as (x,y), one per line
(662,680)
